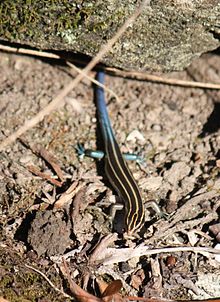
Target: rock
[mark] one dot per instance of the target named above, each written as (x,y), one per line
(50,233)
(167,36)
(152,183)
(176,173)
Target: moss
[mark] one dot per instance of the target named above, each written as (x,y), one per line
(44,19)
(30,18)
(165,36)
(10,283)
(18,283)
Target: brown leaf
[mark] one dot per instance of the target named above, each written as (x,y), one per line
(113,288)
(110,292)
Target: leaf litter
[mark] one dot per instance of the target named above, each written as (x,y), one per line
(180,151)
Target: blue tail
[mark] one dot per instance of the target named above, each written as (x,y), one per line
(102,109)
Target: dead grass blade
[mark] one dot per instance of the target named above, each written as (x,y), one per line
(48,280)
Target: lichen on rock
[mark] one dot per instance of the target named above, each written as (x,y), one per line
(167,36)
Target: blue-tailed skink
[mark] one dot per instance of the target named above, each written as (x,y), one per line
(116,168)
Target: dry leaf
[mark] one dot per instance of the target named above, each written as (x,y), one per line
(110,292)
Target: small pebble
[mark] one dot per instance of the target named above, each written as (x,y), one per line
(156,127)
(26,159)
(135,135)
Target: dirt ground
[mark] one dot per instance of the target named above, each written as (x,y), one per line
(176,129)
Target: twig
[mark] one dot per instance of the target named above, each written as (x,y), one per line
(51,159)
(182,214)
(77,204)
(48,280)
(43,175)
(31,52)
(49,55)
(183,249)
(47,156)
(118,72)
(93,80)
(59,99)
(154,78)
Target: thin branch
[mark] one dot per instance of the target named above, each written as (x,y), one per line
(102,245)
(30,52)
(93,80)
(65,197)
(49,55)
(43,175)
(132,74)
(154,78)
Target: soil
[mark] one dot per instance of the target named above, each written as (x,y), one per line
(176,130)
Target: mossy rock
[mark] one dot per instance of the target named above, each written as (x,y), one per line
(167,36)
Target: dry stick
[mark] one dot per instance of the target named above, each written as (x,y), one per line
(59,99)
(51,160)
(133,74)
(93,80)
(29,52)
(50,55)
(43,175)
(154,78)
(68,194)
(103,244)
(47,157)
